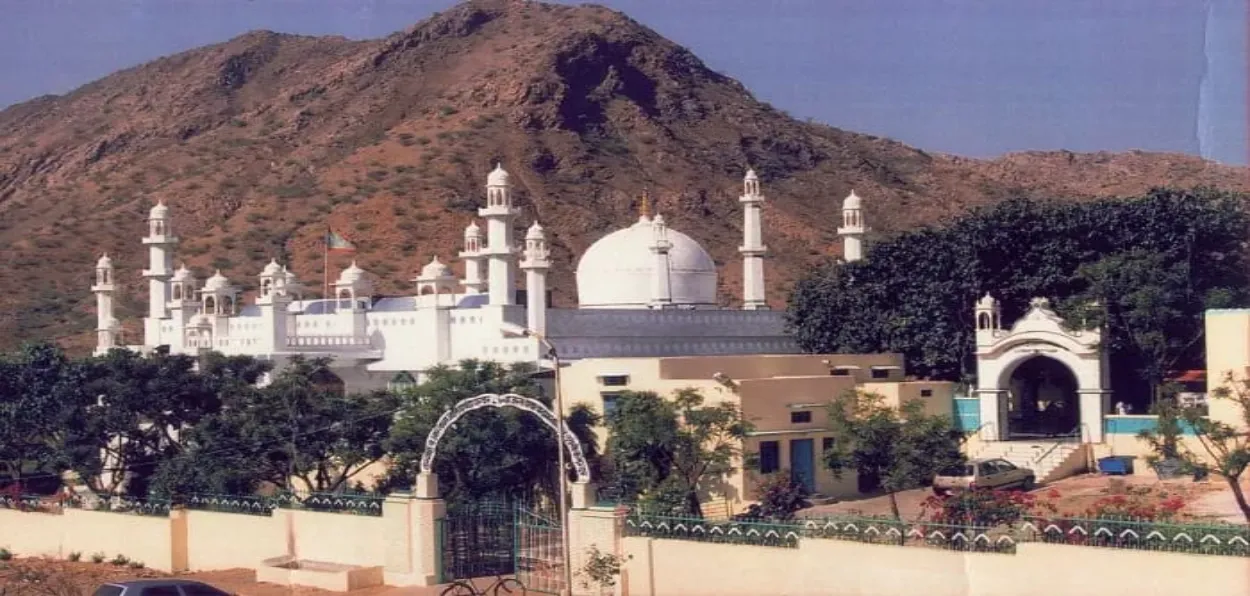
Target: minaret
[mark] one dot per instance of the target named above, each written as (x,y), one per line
(160,242)
(661,290)
(106,324)
(852,230)
(537,262)
(472,255)
(988,315)
(501,282)
(182,307)
(353,290)
(274,302)
(752,249)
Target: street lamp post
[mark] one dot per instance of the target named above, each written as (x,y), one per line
(563,477)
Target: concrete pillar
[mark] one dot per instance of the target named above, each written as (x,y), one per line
(1094,405)
(590,527)
(397,512)
(412,554)
(993,414)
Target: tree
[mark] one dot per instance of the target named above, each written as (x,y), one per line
(299,426)
(141,408)
(665,450)
(491,453)
(1226,446)
(901,448)
(1147,300)
(39,389)
(913,293)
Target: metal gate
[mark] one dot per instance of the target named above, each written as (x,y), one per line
(477,540)
(539,550)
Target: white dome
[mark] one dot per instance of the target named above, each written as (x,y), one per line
(182,274)
(472,231)
(535,232)
(751,175)
(616,271)
(216,282)
(436,269)
(104,263)
(497,177)
(852,201)
(160,211)
(273,269)
(351,275)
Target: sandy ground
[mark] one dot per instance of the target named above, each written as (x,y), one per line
(1209,499)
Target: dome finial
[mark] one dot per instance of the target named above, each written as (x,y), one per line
(644,206)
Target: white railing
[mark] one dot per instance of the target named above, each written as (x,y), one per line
(327,341)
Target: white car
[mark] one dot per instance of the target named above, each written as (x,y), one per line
(984,474)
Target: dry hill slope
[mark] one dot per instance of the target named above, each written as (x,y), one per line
(259,142)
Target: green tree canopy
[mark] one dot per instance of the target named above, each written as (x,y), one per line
(299,425)
(490,453)
(899,448)
(663,451)
(914,292)
(39,390)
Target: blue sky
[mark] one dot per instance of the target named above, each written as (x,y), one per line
(971,77)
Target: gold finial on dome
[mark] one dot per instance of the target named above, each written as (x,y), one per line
(644,207)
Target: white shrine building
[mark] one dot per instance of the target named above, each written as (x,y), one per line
(643,291)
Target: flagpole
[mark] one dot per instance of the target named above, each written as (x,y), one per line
(325,265)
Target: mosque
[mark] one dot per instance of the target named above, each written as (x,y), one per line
(643,291)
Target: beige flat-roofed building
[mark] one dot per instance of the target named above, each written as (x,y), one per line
(783,396)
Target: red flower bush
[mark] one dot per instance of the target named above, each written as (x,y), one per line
(1123,506)
(987,508)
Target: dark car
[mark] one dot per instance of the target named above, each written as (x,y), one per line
(159,587)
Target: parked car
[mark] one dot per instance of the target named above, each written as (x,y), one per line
(158,587)
(988,474)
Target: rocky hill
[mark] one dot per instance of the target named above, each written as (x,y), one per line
(258,143)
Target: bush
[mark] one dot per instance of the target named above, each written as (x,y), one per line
(5,554)
(97,558)
(1122,506)
(986,507)
(75,556)
(779,498)
(120,560)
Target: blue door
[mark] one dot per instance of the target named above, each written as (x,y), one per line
(803,463)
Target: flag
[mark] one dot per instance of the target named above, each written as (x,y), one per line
(334,241)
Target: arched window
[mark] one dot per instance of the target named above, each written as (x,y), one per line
(177,291)
(401,382)
(983,321)
(228,305)
(210,304)
(325,380)
(265,287)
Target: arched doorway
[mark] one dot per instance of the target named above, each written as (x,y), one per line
(1042,400)
(1039,378)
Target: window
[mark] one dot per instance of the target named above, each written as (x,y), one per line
(770,457)
(159,590)
(880,373)
(401,382)
(926,393)
(614,380)
(800,417)
(108,590)
(609,401)
(826,444)
(201,590)
(840,372)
